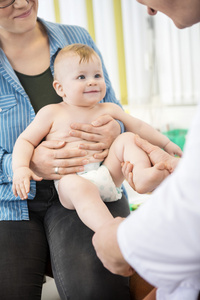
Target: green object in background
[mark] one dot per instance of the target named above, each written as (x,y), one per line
(134,206)
(177,136)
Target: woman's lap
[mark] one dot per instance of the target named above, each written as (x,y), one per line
(77,271)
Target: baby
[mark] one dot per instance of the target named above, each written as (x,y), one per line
(79,80)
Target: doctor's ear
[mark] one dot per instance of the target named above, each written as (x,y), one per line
(58,88)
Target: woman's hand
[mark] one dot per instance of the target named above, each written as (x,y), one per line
(103,131)
(108,251)
(51,160)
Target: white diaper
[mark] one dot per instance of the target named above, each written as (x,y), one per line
(100,176)
(103,180)
(90,167)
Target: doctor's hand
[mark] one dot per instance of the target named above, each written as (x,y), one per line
(157,155)
(173,149)
(108,251)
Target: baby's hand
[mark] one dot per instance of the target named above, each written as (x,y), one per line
(173,149)
(21,181)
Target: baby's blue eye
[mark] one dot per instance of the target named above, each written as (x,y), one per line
(81,77)
(97,76)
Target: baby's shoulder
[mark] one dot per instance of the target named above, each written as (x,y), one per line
(110,108)
(108,105)
(50,108)
(49,111)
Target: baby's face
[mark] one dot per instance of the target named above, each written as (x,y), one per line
(83,83)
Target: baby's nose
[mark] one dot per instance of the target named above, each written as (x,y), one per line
(92,82)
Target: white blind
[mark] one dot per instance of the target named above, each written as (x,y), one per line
(162,63)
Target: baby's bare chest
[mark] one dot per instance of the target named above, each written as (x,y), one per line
(61,126)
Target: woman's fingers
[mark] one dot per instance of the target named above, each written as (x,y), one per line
(102,120)
(87,136)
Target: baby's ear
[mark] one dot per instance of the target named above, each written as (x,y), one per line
(58,88)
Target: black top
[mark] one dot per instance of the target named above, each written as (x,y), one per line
(39,88)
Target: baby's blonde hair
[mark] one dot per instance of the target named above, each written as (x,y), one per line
(83,51)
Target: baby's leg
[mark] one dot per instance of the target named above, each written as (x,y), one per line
(145,177)
(76,192)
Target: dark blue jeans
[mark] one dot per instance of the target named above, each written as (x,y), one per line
(78,273)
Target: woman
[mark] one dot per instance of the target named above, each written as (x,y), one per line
(31,230)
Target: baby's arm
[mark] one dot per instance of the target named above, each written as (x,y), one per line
(144,130)
(152,135)
(22,174)
(23,151)
(158,139)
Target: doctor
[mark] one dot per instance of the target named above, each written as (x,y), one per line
(161,240)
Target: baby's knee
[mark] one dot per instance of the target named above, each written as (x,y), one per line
(68,181)
(128,135)
(66,188)
(125,138)
(74,185)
